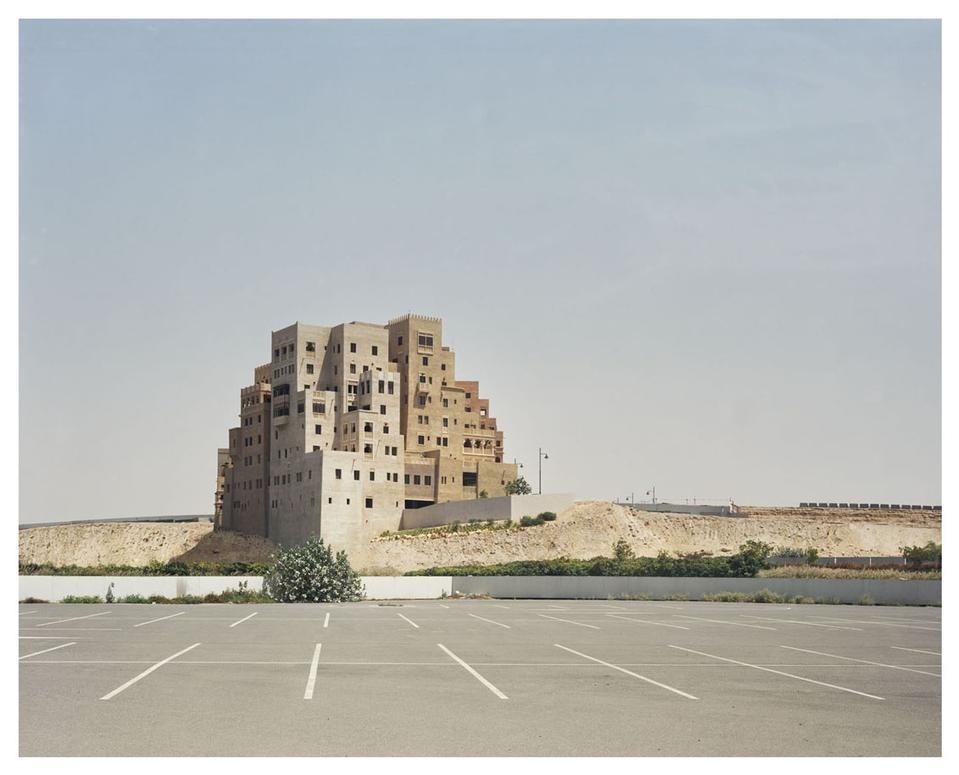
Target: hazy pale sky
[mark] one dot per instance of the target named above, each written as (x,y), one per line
(700,255)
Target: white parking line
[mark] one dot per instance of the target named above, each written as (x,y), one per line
(920,651)
(645,621)
(443,606)
(52,648)
(311,681)
(778,672)
(882,624)
(146,672)
(24,613)
(142,624)
(73,619)
(569,621)
(47,637)
(863,661)
(475,675)
(628,672)
(500,606)
(409,620)
(797,621)
(489,620)
(245,618)
(723,621)
(326,619)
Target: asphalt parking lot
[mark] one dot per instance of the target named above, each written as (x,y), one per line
(480,678)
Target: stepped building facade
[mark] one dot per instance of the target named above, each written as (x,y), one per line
(347,426)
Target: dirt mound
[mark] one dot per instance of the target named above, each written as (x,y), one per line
(587,529)
(138,543)
(590,528)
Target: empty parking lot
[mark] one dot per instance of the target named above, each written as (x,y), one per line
(480,678)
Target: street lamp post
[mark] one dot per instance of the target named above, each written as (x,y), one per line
(542,456)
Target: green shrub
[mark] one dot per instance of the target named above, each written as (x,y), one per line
(527,521)
(547,516)
(750,559)
(917,556)
(153,569)
(133,599)
(82,599)
(622,551)
(311,573)
(767,596)
(33,600)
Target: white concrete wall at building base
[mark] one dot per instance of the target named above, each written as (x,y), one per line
(508,507)
(55,588)
(880,591)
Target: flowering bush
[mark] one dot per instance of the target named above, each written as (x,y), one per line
(312,574)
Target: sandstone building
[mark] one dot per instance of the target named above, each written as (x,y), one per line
(347,426)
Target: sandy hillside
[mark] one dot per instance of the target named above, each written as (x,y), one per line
(587,529)
(138,543)
(590,528)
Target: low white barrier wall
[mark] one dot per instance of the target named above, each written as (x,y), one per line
(55,588)
(880,591)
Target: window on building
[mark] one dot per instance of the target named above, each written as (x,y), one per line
(446,422)
(389,388)
(352,347)
(380,385)
(367,427)
(347,501)
(319,407)
(299,407)
(276,353)
(406,478)
(446,403)
(309,368)
(329,500)
(318,429)
(315,448)
(420,439)
(372,476)
(425,340)
(416,478)
(422,379)
(375,350)
(368,449)
(386,429)
(399,340)
(338,473)
(428,480)
(369,503)
(442,480)
(394,450)
(356,475)
(311,347)
(382,408)
(352,368)
(426,361)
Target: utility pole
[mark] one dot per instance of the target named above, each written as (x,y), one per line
(542,456)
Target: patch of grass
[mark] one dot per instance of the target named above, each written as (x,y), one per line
(82,599)
(153,569)
(439,531)
(825,572)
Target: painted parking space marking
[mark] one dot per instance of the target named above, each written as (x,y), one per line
(409,620)
(24,613)
(778,672)
(881,624)
(498,624)
(146,672)
(326,620)
(863,661)
(797,621)
(724,621)
(72,619)
(473,672)
(49,637)
(919,651)
(162,618)
(646,621)
(628,672)
(443,606)
(245,618)
(569,621)
(311,679)
(52,648)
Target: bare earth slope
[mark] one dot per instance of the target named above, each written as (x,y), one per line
(586,530)
(590,528)
(138,544)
